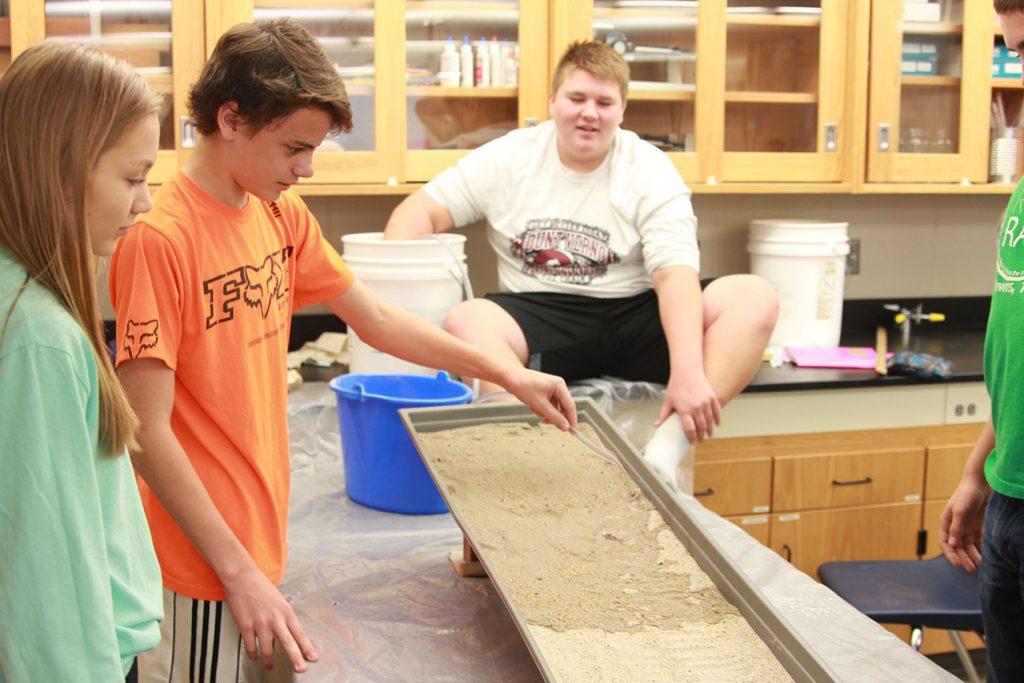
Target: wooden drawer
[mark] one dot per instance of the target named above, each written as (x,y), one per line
(734,487)
(806,482)
(758,526)
(875,532)
(945,465)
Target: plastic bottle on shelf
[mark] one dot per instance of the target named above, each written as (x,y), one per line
(466,66)
(449,74)
(482,65)
(497,66)
(510,63)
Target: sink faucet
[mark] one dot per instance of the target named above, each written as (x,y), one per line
(904,316)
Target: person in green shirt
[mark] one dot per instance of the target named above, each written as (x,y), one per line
(79,582)
(982,527)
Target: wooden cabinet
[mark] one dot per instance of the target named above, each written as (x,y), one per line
(804,482)
(443,123)
(945,465)
(364,39)
(842,496)
(164,40)
(873,532)
(734,487)
(930,84)
(730,94)
(741,98)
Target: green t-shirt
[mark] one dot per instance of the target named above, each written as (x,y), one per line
(1004,341)
(80,589)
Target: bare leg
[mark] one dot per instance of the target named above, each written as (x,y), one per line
(489,327)
(739,315)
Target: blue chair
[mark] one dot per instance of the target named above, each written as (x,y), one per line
(920,593)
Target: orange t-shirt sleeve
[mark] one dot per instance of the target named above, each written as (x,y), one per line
(145,290)
(320,273)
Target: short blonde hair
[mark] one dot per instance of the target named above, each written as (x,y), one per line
(595,58)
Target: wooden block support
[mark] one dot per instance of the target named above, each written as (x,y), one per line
(466,562)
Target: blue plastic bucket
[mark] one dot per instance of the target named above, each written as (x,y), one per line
(382,468)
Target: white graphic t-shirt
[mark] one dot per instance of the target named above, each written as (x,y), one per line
(598,234)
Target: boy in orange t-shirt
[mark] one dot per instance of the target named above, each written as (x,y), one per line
(204,288)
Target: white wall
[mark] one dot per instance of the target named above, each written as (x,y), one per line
(911,245)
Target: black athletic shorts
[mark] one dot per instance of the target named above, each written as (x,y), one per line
(576,337)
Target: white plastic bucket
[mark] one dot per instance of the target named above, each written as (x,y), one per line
(806,263)
(439,247)
(419,276)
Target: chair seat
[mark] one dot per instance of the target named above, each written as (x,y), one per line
(929,593)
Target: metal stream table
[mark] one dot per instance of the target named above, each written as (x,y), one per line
(377,594)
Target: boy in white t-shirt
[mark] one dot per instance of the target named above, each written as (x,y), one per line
(597,253)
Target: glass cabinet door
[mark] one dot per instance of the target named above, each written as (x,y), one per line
(928,79)
(784,64)
(348,31)
(140,32)
(659,42)
(465,61)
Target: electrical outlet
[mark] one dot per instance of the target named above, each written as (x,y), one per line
(853,258)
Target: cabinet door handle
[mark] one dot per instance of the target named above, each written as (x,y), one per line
(789,553)
(884,143)
(855,482)
(706,492)
(831,135)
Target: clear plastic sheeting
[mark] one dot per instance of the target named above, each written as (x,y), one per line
(378,596)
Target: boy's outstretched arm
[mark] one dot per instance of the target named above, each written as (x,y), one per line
(412,338)
(260,610)
(417,216)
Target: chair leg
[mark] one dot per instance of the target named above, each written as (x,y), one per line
(965,656)
(916,637)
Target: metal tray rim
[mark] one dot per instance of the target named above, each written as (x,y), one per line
(792,651)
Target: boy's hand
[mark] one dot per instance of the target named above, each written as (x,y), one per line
(263,616)
(690,396)
(961,523)
(546,395)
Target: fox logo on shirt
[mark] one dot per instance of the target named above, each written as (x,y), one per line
(139,336)
(262,285)
(258,286)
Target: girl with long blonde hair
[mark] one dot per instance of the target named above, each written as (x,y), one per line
(79,584)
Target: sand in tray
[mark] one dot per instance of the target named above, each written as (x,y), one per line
(608,591)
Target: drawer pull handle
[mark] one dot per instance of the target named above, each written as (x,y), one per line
(789,553)
(855,482)
(707,492)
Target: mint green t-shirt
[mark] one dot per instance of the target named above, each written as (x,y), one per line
(80,589)
(1004,340)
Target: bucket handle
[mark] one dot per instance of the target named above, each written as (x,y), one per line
(360,391)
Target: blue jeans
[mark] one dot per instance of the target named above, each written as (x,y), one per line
(1002,587)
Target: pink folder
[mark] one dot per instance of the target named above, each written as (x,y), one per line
(853,357)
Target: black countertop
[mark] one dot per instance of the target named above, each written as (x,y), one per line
(964,348)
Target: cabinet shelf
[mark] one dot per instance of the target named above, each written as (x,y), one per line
(928,28)
(641,93)
(468,93)
(785,20)
(1007,84)
(931,81)
(460,7)
(313,4)
(759,97)
(643,18)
